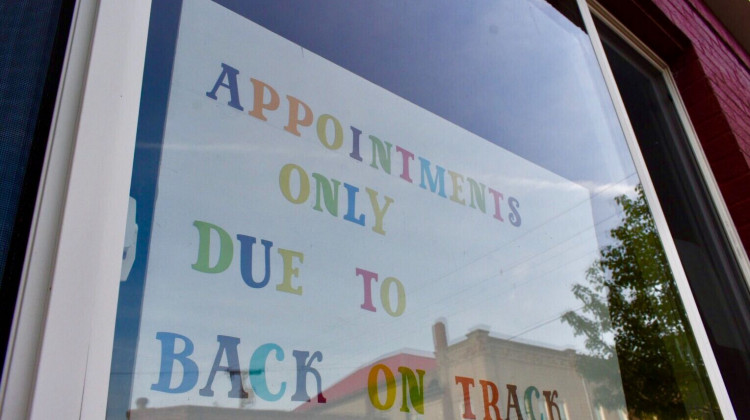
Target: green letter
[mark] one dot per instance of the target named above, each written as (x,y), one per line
(478,197)
(415,390)
(225,249)
(329,192)
(382,152)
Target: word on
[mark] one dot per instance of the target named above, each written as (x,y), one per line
(412,388)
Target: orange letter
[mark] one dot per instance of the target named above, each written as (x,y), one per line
(490,402)
(294,120)
(258,95)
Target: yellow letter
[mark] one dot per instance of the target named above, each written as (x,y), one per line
(289,271)
(286,189)
(377,210)
(385,296)
(338,132)
(457,187)
(372,387)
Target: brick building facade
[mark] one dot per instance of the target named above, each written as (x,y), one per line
(712,71)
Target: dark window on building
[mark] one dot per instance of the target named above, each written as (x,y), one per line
(33,37)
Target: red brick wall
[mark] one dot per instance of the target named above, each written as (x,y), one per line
(713,76)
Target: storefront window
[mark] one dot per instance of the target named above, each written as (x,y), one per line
(352,210)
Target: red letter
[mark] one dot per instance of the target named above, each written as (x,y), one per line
(550,396)
(367,277)
(405,157)
(497,196)
(514,403)
(486,387)
(465,382)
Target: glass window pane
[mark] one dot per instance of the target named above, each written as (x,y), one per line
(389,210)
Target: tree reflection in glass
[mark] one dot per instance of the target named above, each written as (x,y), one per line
(633,320)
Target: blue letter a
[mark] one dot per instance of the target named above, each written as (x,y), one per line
(227,345)
(229,73)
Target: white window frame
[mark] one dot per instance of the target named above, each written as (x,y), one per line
(65,312)
(691,308)
(60,350)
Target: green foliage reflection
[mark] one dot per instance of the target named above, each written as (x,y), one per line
(634,323)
